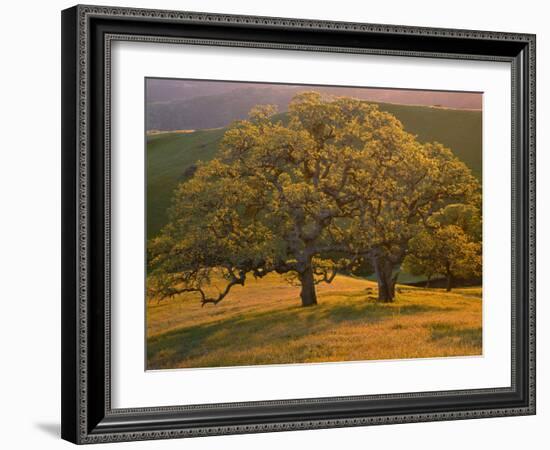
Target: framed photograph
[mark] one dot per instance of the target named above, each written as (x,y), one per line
(281,224)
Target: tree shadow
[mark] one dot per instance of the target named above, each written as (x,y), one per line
(374,312)
(246,331)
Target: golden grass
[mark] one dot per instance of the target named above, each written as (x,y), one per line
(263,323)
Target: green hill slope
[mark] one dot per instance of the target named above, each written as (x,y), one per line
(169,155)
(460,130)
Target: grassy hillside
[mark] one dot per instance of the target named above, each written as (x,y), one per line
(460,130)
(170,154)
(263,323)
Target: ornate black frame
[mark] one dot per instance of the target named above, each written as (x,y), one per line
(87,32)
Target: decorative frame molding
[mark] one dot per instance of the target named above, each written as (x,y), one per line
(88,31)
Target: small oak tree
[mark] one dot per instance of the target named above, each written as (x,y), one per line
(336,183)
(450,245)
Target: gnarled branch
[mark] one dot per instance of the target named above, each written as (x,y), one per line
(234,280)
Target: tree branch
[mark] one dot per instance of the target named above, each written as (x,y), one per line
(235,279)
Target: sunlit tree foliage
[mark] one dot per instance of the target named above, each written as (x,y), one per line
(334,184)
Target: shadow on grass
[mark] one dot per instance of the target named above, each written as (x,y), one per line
(247,331)
(449,333)
(368,312)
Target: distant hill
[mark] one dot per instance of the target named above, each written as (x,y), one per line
(180,104)
(170,155)
(213,111)
(162,89)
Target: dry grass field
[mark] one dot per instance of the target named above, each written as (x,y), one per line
(263,323)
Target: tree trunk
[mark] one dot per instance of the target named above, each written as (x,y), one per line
(308,295)
(449,281)
(386,280)
(428,282)
(449,277)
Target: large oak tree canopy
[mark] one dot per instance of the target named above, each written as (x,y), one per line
(334,182)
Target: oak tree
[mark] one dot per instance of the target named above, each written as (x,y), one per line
(333,183)
(450,245)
